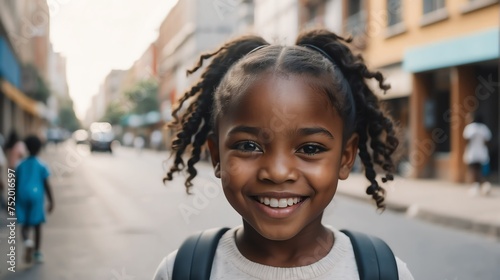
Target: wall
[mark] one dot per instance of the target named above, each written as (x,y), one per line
(277,21)
(383,51)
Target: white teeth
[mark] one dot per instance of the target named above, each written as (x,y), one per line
(279,203)
(283,203)
(274,202)
(267,201)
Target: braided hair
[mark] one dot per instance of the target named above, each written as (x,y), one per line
(196,121)
(318,53)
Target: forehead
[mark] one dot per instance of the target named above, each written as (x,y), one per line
(282,101)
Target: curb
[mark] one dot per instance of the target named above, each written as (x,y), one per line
(479,227)
(389,205)
(414,211)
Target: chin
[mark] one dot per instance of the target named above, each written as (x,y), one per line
(277,232)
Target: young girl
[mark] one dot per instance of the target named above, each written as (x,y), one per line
(283,125)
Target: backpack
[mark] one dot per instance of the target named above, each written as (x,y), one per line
(374,258)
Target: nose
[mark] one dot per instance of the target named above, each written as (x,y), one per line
(277,168)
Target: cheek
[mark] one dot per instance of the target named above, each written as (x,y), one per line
(235,171)
(323,175)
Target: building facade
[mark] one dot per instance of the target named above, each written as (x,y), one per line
(24,40)
(441,58)
(58,84)
(97,109)
(143,69)
(193,27)
(112,86)
(282,21)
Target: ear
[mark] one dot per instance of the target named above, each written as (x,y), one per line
(348,156)
(213,147)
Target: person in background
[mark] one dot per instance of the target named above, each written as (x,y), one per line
(139,144)
(32,177)
(156,138)
(476,154)
(15,150)
(128,139)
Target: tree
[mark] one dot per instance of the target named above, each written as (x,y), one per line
(67,116)
(143,97)
(114,113)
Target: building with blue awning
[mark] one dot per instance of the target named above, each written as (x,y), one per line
(441,59)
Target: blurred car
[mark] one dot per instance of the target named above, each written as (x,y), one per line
(55,135)
(81,136)
(101,137)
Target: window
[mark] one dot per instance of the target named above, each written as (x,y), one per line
(356,17)
(394,12)
(354,7)
(434,12)
(474,5)
(314,14)
(433,5)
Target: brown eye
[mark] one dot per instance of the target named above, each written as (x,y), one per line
(247,146)
(311,149)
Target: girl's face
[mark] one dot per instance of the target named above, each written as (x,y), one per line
(279,153)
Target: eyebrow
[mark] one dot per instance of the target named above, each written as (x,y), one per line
(245,129)
(315,130)
(307,131)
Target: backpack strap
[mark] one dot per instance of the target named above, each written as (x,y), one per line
(374,258)
(195,256)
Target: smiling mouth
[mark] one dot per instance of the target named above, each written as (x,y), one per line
(279,202)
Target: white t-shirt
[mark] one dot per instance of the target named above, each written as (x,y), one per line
(476,150)
(230,264)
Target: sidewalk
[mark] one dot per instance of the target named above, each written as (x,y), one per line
(434,200)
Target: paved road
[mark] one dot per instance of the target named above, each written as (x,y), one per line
(115,220)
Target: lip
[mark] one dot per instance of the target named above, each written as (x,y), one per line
(278,195)
(278,213)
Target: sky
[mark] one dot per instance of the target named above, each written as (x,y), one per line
(97,36)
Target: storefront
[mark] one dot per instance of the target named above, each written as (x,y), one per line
(451,79)
(17,111)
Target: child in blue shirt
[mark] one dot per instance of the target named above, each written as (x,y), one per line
(32,185)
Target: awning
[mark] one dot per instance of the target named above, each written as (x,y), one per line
(477,47)
(134,120)
(27,104)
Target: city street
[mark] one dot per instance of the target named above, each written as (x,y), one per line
(114,219)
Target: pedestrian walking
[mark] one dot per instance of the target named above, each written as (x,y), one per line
(476,153)
(156,138)
(283,125)
(139,144)
(32,177)
(15,150)
(128,139)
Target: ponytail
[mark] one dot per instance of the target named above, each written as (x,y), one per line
(195,124)
(374,127)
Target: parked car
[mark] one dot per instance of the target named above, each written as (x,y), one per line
(101,137)
(55,135)
(81,136)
